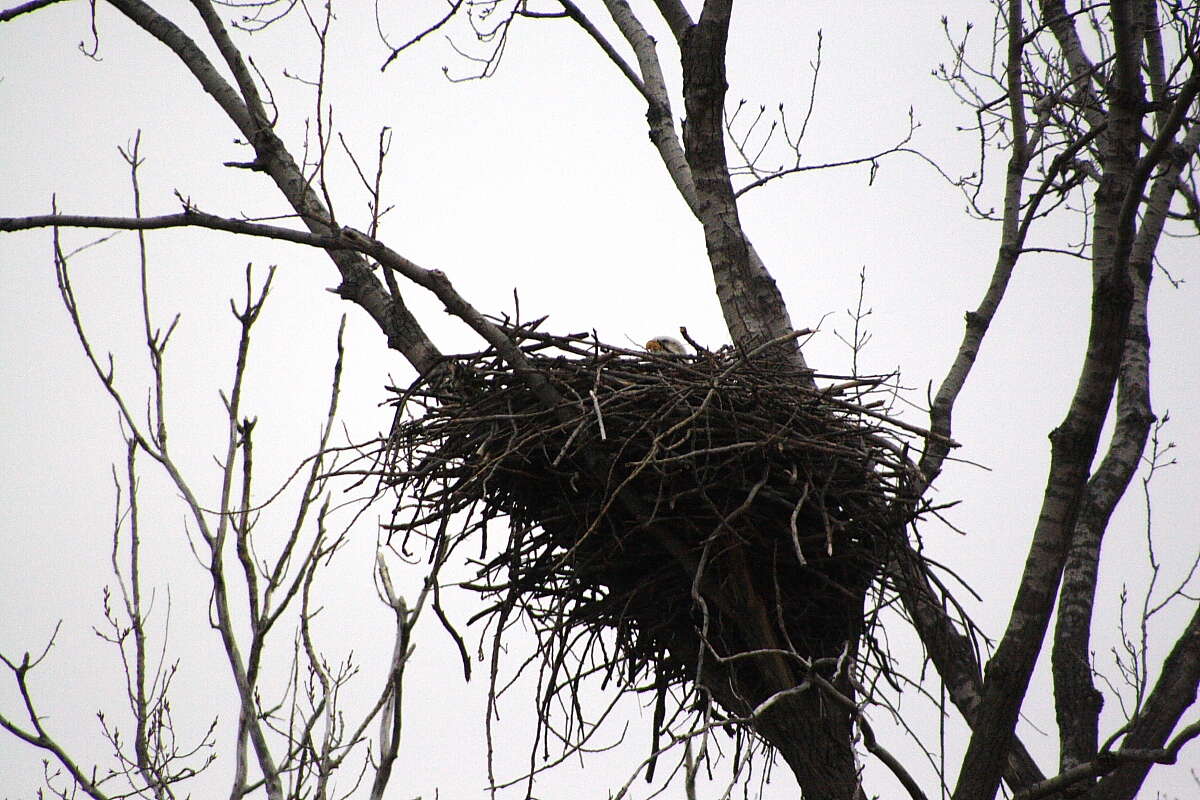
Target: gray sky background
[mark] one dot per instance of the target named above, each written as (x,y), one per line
(540,179)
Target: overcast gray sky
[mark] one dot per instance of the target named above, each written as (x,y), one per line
(540,179)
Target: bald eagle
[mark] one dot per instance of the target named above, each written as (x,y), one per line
(666,344)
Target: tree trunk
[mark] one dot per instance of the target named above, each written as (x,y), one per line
(750,299)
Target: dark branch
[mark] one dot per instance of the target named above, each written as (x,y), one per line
(25,8)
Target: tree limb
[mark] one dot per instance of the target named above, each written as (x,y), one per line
(359,284)
(582,21)
(1173,694)
(1106,763)
(347,239)
(1074,442)
(25,8)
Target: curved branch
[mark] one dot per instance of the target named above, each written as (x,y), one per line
(868,736)
(345,239)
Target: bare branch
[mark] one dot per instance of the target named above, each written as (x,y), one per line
(396,51)
(36,734)
(580,19)
(1172,695)
(348,239)
(1107,762)
(25,8)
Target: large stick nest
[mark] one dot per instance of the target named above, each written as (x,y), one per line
(695,506)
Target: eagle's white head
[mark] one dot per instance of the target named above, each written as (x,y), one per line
(666,344)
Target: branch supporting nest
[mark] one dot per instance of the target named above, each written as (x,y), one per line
(706,521)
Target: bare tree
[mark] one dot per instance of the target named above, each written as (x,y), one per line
(1080,129)
(1095,110)
(295,735)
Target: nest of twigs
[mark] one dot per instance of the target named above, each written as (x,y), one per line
(695,507)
